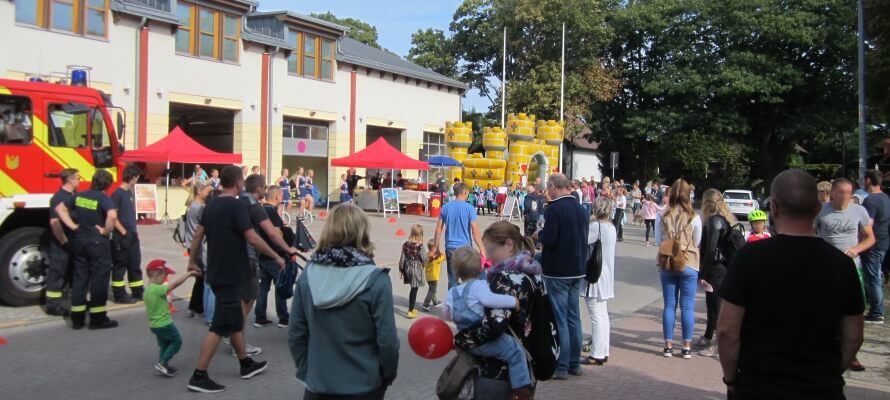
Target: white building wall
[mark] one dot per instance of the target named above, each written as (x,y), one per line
(586,164)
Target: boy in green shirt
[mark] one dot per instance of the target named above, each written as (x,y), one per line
(159,318)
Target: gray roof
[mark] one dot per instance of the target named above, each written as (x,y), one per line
(312,20)
(153,10)
(354,52)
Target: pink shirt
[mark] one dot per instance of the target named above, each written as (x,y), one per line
(650,209)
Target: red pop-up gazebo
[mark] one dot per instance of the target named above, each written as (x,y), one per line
(380,155)
(178,147)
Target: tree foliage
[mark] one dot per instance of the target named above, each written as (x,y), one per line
(679,86)
(358,29)
(431,49)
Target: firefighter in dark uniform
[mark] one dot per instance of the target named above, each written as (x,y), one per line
(62,226)
(95,216)
(125,252)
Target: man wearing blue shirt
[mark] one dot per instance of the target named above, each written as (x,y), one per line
(458,222)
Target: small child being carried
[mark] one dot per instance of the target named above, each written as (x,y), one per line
(466,305)
(159,318)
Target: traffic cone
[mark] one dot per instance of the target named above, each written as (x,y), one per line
(2,341)
(392,220)
(323,214)
(185,253)
(400,232)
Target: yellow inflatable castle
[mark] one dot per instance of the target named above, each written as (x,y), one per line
(532,150)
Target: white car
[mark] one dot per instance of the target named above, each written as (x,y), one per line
(740,202)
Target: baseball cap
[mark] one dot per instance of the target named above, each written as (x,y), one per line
(159,265)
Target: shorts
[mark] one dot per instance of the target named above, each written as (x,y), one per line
(228,317)
(249,290)
(501,198)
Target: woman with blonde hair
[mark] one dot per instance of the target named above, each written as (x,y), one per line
(597,294)
(681,224)
(718,224)
(341,316)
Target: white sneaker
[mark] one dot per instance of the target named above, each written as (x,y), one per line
(710,351)
(249,350)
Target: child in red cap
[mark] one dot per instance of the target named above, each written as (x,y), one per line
(159,318)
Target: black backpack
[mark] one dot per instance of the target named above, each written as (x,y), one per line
(731,242)
(543,340)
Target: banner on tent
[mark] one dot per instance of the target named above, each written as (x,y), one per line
(146,198)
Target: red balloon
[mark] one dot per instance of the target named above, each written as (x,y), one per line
(430,338)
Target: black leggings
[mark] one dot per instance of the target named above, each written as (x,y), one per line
(650,224)
(619,215)
(412,298)
(196,303)
(712,302)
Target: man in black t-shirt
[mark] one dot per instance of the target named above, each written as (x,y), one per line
(352,181)
(227,225)
(62,226)
(95,215)
(268,270)
(126,254)
(878,206)
(791,318)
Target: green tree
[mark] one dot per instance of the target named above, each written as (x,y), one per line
(358,29)
(877,23)
(431,49)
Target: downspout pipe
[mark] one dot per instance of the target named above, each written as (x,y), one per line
(142,85)
(270,113)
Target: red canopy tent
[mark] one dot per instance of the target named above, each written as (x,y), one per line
(382,156)
(178,147)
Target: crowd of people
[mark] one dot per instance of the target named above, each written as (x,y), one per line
(342,316)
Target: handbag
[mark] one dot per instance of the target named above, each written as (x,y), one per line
(595,261)
(284,285)
(457,377)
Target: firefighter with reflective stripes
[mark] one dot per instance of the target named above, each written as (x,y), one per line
(62,226)
(125,252)
(95,215)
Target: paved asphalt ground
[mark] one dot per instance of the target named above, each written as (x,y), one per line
(44,358)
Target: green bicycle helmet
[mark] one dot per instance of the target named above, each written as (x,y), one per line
(757,215)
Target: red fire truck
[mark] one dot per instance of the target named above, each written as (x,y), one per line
(44,128)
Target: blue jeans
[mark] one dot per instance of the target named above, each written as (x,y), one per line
(565,299)
(269,273)
(209,303)
(682,285)
(873,281)
(588,207)
(452,277)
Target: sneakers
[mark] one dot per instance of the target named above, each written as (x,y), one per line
(411,314)
(205,385)
(103,323)
(438,304)
(282,324)
(253,368)
(576,372)
(165,370)
(710,351)
(874,320)
(686,354)
(260,323)
(249,350)
(425,307)
(668,352)
(702,343)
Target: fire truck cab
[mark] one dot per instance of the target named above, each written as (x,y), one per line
(45,128)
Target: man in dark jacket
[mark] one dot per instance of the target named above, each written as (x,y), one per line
(352,181)
(533,208)
(564,255)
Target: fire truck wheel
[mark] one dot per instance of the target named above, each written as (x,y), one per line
(22,267)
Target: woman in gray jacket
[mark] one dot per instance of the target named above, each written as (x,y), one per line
(342,330)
